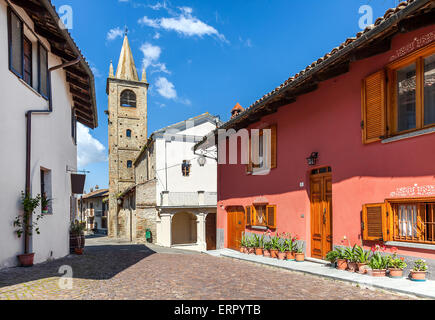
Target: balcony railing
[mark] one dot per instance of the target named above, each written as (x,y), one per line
(188,199)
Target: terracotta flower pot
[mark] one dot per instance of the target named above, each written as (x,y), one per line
(245,250)
(251,250)
(242,249)
(418,275)
(341,264)
(396,273)
(300,257)
(26,260)
(266,253)
(273,253)
(351,266)
(281,255)
(290,255)
(379,273)
(259,251)
(78,251)
(361,267)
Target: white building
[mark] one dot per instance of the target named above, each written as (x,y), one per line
(176,189)
(46,86)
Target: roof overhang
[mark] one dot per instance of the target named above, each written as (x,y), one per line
(79,76)
(375,39)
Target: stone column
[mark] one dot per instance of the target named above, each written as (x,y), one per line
(165,236)
(201,236)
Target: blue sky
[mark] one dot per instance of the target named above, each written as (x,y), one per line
(203,55)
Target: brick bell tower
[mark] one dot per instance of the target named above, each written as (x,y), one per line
(127,126)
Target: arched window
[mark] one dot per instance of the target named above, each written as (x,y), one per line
(129,164)
(128,133)
(128,99)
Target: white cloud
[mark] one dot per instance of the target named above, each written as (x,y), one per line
(114,33)
(151,54)
(183,23)
(166,88)
(156,36)
(89,149)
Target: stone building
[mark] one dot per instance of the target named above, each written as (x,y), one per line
(93,208)
(127,126)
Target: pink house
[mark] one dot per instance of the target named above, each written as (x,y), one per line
(352,146)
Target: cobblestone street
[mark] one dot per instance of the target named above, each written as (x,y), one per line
(116,270)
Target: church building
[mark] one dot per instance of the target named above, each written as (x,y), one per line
(127,129)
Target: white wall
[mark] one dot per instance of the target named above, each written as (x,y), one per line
(200,178)
(52,148)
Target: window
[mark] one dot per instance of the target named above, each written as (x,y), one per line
(46,191)
(128,99)
(128,133)
(27,61)
(185,168)
(263,216)
(129,164)
(401,98)
(408,220)
(74,125)
(15,35)
(259,159)
(43,71)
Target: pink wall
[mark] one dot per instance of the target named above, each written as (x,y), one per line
(328,121)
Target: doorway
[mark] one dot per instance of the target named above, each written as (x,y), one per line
(236,226)
(210,231)
(321,212)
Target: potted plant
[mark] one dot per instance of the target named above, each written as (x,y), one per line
(25,224)
(243,243)
(378,263)
(282,251)
(332,257)
(396,264)
(258,243)
(341,259)
(349,255)
(45,203)
(274,247)
(299,252)
(77,236)
(362,258)
(418,273)
(250,245)
(266,248)
(290,244)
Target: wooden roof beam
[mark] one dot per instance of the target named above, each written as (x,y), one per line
(77,83)
(79,94)
(49,35)
(30,6)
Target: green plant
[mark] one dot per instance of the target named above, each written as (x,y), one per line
(396,262)
(290,243)
(24,222)
(349,254)
(45,202)
(361,255)
(420,265)
(77,228)
(243,240)
(332,256)
(275,242)
(299,247)
(282,247)
(378,261)
(267,245)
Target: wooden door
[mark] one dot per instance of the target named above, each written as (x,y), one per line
(210,231)
(321,212)
(236,226)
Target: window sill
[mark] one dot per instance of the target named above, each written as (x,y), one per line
(260,172)
(29,86)
(409,135)
(411,245)
(259,227)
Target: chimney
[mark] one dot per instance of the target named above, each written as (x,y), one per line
(236,110)
(92,190)
(97,187)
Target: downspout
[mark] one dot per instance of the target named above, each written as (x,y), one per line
(29,139)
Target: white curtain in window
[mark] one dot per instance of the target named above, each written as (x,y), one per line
(407,220)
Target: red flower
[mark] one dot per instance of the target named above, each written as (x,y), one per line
(402,258)
(296,237)
(373,248)
(383,247)
(393,249)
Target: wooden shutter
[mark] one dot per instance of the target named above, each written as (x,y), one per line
(248,215)
(374,107)
(273,158)
(420,225)
(374,222)
(271,217)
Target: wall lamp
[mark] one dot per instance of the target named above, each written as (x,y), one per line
(312,159)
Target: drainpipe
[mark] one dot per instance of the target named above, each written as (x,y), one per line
(29,139)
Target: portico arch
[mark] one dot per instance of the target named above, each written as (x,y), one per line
(184,228)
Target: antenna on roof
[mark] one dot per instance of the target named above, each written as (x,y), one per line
(125,30)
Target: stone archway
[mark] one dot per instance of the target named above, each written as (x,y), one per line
(184,228)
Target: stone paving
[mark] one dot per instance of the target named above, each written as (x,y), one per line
(118,270)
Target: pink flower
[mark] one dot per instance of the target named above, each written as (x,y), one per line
(393,250)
